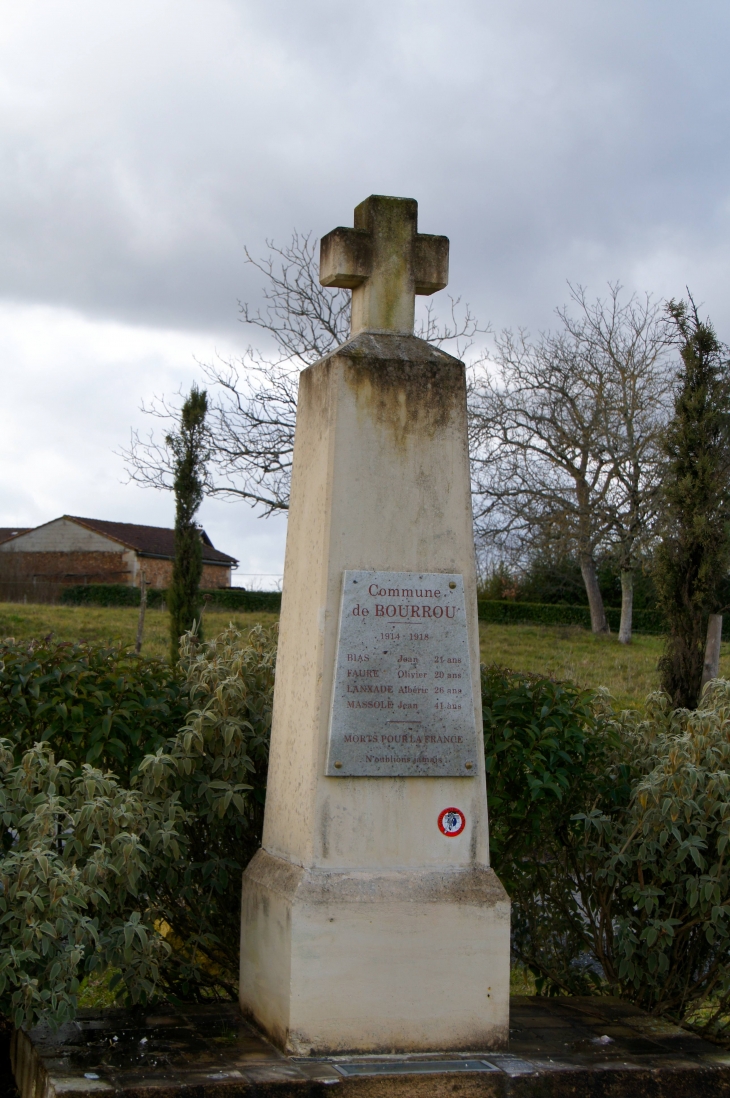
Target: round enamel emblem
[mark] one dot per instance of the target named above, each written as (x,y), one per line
(452,821)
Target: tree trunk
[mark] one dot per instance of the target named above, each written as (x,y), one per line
(595,599)
(142,609)
(711,669)
(627,606)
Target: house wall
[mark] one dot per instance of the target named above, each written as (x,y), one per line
(159,573)
(40,576)
(216,575)
(61,536)
(37,565)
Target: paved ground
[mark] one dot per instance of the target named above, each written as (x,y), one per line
(563,1046)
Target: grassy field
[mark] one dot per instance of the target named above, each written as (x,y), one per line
(628,672)
(566,652)
(115,626)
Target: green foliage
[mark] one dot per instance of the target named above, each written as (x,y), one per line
(611,833)
(121,594)
(76,858)
(661,863)
(542,746)
(504,612)
(101,594)
(190,448)
(143,879)
(694,555)
(104,706)
(557,579)
(250,602)
(217,766)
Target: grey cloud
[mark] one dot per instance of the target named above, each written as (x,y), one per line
(144,145)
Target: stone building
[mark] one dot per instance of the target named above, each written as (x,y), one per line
(35,564)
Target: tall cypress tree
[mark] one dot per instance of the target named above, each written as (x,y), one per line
(694,554)
(191,452)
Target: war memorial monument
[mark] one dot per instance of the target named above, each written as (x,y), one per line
(370,917)
(374,935)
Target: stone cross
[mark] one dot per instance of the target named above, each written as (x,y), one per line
(385,261)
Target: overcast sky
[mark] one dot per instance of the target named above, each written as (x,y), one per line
(143,144)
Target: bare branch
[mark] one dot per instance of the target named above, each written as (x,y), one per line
(252,403)
(565,435)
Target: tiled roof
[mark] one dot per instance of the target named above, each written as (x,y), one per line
(150,541)
(10,531)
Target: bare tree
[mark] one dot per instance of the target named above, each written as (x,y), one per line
(565,437)
(631,343)
(252,409)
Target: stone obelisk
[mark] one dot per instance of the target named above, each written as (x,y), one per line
(371,921)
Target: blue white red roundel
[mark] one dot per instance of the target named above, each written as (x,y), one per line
(452,822)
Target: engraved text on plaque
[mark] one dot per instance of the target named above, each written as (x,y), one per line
(402,702)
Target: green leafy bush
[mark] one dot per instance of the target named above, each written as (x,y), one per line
(249,602)
(611,833)
(145,878)
(216,765)
(660,866)
(104,706)
(102,594)
(543,744)
(77,855)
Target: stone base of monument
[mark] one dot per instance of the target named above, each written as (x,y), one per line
(558,1047)
(311,937)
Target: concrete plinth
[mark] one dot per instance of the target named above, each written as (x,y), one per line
(409,958)
(562,1047)
(364,926)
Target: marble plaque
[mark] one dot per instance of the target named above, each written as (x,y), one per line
(402,701)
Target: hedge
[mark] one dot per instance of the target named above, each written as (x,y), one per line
(498,612)
(121,594)
(502,612)
(101,594)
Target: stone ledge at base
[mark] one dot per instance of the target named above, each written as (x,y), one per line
(572,1047)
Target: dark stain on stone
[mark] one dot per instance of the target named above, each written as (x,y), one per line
(216,1051)
(407,386)
(404,383)
(473,846)
(325,829)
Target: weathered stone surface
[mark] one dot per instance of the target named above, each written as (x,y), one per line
(354,935)
(402,704)
(380,483)
(559,1048)
(385,261)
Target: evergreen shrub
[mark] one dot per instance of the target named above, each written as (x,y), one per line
(77,859)
(89,703)
(102,594)
(611,834)
(120,594)
(142,876)
(216,765)
(692,558)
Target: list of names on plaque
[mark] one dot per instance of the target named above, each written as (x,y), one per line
(402,702)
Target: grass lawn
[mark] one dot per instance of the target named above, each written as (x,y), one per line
(114,625)
(566,652)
